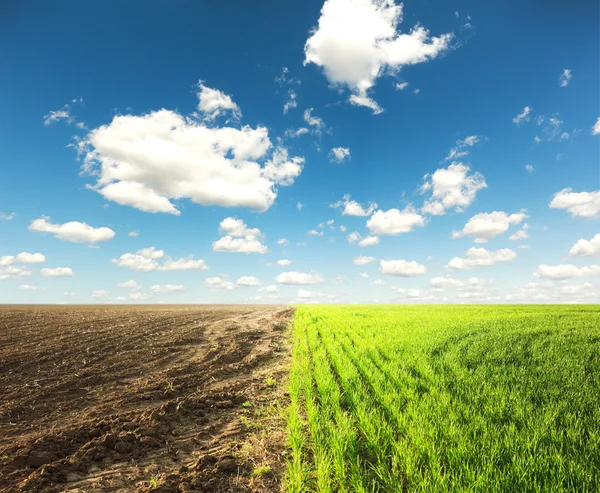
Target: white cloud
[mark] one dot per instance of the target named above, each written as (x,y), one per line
(213,103)
(586,248)
(284,262)
(411,293)
(596,127)
(298,278)
(462,147)
(555,292)
(369,241)
(8,271)
(72,231)
(293,133)
(343,229)
(353,208)
(565,77)
(30,258)
(357,41)
(485,226)
(130,285)
(134,233)
(5,216)
(524,116)
(218,284)
(339,154)
(479,257)
(394,222)
(100,293)
(529,168)
(451,187)
(28,287)
(313,121)
(378,282)
(145,161)
(401,268)
(401,86)
(145,260)
(269,289)
(304,294)
(167,288)
(578,204)
(354,237)
(299,206)
(248,281)
(362,260)
(57,272)
(566,271)
(364,275)
(291,103)
(282,241)
(239,238)
(187,263)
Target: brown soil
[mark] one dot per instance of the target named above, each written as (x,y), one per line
(150,398)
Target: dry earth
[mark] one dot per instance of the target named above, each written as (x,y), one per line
(150,398)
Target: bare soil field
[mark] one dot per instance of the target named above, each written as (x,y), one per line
(144,398)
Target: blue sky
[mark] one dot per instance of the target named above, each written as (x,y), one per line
(173,148)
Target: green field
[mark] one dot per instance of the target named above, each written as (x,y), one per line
(445,398)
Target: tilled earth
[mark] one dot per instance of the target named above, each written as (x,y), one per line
(150,398)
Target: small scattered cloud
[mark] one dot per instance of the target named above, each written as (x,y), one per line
(353,208)
(462,147)
(339,154)
(596,127)
(578,204)
(394,221)
(239,238)
(400,86)
(485,226)
(566,271)
(586,248)
(529,168)
(480,257)
(218,283)
(362,260)
(369,241)
(524,116)
(134,234)
(57,272)
(565,77)
(284,262)
(5,216)
(146,260)
(131,284)
(72,231)
(401,268)
(248,281)
(298,278)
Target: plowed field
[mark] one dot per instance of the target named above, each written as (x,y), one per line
(152,398)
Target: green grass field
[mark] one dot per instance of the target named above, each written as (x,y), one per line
(445,398)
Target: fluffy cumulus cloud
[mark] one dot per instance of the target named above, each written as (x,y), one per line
(485,226)
(596,127)
(521,234)
(72,231)
(272,289)
(578,204)
(357,41)
(213,103)
(353,208)
(8,269)
(401,268)
(166,288)
(131,284)
(239,238)
(284,262)
(369,241)
(146,260)
(218,283)
(362,260)
(524,116)
(248,281)
(480,257)
(394,221)
(453,187)
(566,271)
(586,248)
(298,278)
(565,77)
(57,272)
(149,160)
(339,154)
